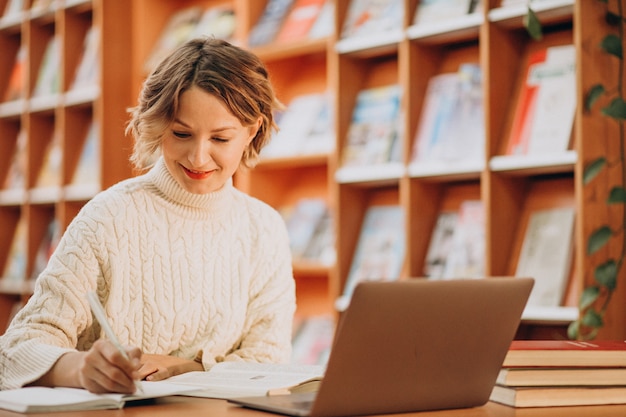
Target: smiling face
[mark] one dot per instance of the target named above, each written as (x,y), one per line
(203,146)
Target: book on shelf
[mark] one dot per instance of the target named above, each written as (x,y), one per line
(241,379)
(15,87)
(374,133)
(565,353)
(302,222)
(546,254)
(48,78)
(312,340)
(51,168)
(218,22)
(88,70)
(557,396)
(16,262)
(299,20)
(270,22)
(16,175)
(433,11)
(544,113)
(303,127)
(88,168)
(177,31)
(37,399)
(369,17)
(466,258)
(451,127)
(440,244)
(542,376)
(380,250)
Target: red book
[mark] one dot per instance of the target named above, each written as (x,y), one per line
(565,353)
(523,119)
(299,20)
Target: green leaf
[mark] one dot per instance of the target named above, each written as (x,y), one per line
(588,297)
(606,274)
(617,196)
(612,45)
(573,330)
(616,109)
(592,319)
(533,25)
(593,169)
(598,239)
(593,95)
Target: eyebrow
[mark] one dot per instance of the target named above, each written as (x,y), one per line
(220,129)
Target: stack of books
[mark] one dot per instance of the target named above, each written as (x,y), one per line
(551,373)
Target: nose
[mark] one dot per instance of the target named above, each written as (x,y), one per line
(199,153)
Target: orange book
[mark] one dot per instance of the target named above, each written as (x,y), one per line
(299,20)
(565,353)
(14,88)
(522,122)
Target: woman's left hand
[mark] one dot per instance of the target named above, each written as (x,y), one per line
(159,367)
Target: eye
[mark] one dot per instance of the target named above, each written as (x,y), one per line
(218,139)
(180,135)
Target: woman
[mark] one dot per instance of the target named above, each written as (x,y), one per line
(190,270)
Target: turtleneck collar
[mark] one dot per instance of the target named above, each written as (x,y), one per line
(160,176)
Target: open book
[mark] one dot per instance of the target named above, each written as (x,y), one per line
(244,379)
(224,380)
(44,399)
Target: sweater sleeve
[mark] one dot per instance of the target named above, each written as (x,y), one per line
(269,318)
(55,316)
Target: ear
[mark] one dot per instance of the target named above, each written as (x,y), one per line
(254,129)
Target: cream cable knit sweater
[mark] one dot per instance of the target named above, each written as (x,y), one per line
(178,273)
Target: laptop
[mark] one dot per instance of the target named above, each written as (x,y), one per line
(412,345)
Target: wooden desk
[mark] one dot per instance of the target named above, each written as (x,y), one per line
(203,407)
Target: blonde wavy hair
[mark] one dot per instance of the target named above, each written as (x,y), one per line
(236,76)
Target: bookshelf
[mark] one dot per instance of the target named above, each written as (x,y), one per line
(65,113)
(409,55)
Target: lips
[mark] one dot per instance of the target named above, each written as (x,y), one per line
(197,175)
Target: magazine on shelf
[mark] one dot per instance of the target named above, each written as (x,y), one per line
(16,175)
(544,113)
(296,126)
(374,130)
(312,340)
(270,22)
(302,221)
(50,173)
(380,250)
(15,265)
(48,79)
(88,168)
(46,247)
(218,22)
(432,11)
(15,87)
(451,126)
(321,246)
(467,254)
(299,20)
(324,24)
(368,17)
(440,244)
(88,70)
(177,31)
(546,254)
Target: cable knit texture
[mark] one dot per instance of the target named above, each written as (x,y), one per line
(178,273)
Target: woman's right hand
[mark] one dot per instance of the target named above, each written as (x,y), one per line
(101,369)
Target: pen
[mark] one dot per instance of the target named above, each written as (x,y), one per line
(98,311)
